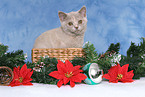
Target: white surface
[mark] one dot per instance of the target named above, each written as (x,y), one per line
(104,89)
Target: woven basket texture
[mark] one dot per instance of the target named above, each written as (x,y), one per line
(59,53)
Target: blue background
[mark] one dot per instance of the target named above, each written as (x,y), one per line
(109,21)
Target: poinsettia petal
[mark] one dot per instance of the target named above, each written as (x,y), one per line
(114,68)
(113,72)
(61,67)
(68,66)
(28,70)
(128,77)
(77,71)
(27,80)
(23,71)
(72,84)
(15,83)
(78,78)
(65,80)
(76,67)
(28,83)
(106,76)
(56,75)
(129,74)
(126,80)
(123,70)
(28,75)
(15,75)
(16,70)
(18,67)
(113,81)
(59,83)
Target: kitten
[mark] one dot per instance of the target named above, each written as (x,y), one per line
(69,35)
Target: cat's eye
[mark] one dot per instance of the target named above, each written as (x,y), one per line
(70,23)
(80,21)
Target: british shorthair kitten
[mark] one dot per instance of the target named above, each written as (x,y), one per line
(69,35)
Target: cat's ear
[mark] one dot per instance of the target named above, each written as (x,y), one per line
(82,11)
(62,15)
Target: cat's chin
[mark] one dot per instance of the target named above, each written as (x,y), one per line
(76,33)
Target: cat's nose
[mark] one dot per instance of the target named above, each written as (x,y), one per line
(76,27)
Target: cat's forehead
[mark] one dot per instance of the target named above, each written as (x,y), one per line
(74,15)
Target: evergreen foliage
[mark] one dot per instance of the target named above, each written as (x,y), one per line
(136,50)
(45,66)
(11,59)
(136,58)
(105,63)
(3,49)
(90,53)
(114,47)
(133,50)
(79,61)
(105,60)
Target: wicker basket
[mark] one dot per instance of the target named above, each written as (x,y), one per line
(6,75)
(59,53)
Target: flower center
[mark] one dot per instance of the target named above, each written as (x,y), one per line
(20,79)
(68,75)
(119,76)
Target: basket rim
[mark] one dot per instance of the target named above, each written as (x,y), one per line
(55,48)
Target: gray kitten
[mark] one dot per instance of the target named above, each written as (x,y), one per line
(69,35)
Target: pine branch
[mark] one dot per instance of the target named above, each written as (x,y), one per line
(3,49)
(11,59)
(114,47)
(45,66)
(90,53)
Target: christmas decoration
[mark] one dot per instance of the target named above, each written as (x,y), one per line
(105,62)
(21,76)
(116,59)
(38,68)
(67,73)
(6,75)
(41,70)
(94,73)
(118,73)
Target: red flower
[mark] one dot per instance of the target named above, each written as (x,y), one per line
(67,73)
(21,76)
(118,73)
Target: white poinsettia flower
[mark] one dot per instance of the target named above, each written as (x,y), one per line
(116,59)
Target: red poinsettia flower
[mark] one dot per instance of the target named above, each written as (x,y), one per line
(21,76)
(118,73)
(67,73)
